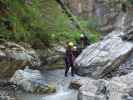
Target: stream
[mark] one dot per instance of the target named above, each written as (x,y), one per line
(55,77)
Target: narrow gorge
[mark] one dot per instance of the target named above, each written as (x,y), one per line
(33,37)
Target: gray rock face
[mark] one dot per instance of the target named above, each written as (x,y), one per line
(2,97)
(106,12)
(31,81)
(7,92)
(60,49)
(96,90)
(101,58)
(14,56)
(118,88)
(52,58)
(126,67)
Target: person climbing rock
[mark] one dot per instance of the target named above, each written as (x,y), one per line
(69,59)
(83,42)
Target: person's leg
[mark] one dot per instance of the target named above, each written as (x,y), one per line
(66,70)
(72,70)
(75,70)
(66,67)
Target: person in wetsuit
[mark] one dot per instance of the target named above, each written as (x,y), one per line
(69,59)
(83,43)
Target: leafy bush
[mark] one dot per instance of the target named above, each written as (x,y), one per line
(41,22)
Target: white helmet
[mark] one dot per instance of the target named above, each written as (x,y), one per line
(81,35)
(74,48)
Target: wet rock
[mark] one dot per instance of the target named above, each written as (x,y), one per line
(118,88)
(53,59)
(32,81)
(56,57)
(6,98)
(76,84)
(7,95)
(52,56)
(60,49)
(129,36)
(14,56)
(92,90)
(7,90)
(126,67)
(102,57)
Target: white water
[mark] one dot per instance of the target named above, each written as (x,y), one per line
(62,83)
(62,95)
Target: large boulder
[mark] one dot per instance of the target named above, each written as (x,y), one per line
(102,57)
(14,56)
(118,88)
(31,81)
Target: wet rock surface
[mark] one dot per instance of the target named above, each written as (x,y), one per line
(51,55)
(14,56)
(7,90)
(126,67)
(118,88)
(57,78)
(32,81)
(101,58)
(77,83)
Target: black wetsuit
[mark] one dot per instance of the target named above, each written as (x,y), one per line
(84,42)
(69,59)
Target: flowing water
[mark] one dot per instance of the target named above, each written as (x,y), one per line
(57,78)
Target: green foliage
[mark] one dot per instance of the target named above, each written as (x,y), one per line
(90,28)
(42,22)
(130,1)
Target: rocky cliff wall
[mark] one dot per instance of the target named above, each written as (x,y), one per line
(106,12)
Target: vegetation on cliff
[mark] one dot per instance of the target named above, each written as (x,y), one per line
(38,22)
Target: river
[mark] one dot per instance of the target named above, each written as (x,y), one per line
(55,77)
